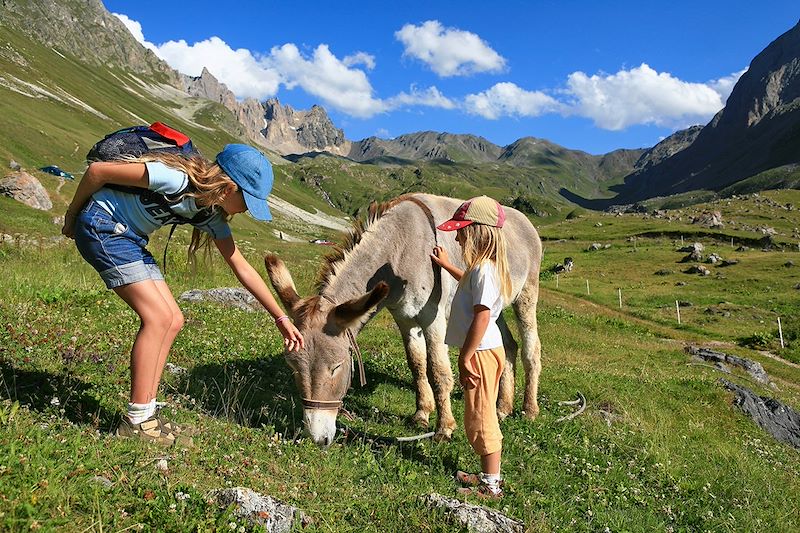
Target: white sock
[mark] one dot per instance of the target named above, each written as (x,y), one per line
(139,412)
(492,481)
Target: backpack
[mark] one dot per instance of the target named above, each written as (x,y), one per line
(135,141)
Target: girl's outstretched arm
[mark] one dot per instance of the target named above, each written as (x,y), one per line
(96,176)
(253,282)
(440,257)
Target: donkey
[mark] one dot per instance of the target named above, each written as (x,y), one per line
(386,263)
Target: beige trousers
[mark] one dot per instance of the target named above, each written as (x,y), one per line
(480,401)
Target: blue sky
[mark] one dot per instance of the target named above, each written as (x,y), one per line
(588,75)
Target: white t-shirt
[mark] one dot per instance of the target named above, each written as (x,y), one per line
(481,287)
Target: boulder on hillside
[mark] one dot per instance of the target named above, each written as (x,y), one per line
(225,296)
(265,511)
(775,417)
(474,517)
(24,188)
(709,219)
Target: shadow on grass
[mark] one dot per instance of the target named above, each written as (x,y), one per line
(37,389)
(262,393)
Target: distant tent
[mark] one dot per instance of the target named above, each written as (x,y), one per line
(55,171)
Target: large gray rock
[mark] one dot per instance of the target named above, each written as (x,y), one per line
(227,296)
(776,418)
(24,188)
(274,515)
(475,518)
(753,368)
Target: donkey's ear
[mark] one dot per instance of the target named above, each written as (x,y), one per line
(357,310)
(282,281)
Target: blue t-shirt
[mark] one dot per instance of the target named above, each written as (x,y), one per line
(144,218)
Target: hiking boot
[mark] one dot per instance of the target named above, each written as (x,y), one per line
(148,431)
(481,491)
(468,479)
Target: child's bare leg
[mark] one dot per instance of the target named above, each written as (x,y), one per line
(175,327)
(156,318)
(490,463)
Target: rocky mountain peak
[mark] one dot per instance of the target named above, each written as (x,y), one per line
(292,131)
(87,31)
(757,130)
(207,86)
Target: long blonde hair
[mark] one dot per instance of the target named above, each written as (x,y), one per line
(209,184)
(483,243)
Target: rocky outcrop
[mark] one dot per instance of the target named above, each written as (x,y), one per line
(270,124)
(774,417)
(85,30)
(290,131)
(24,188)
(207,86)
(225,296)
(474,518)
(260,510)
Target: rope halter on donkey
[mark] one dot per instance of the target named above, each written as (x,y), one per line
(310,403)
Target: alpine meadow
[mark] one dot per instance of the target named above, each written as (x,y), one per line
(668,312)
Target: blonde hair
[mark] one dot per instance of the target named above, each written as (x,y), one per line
(209,184)
(483,243)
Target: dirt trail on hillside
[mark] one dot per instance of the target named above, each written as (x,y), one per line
(318,219)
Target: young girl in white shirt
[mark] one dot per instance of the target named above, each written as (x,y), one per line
(482,292)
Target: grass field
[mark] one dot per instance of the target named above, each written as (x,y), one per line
(659,448)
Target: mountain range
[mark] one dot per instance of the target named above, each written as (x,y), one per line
(46,57)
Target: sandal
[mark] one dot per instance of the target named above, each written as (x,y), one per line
(148,431)
(167,426)
(482,491)
(468,479)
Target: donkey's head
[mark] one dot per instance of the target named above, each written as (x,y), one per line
(322,370)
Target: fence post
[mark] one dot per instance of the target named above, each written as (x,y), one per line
(678,311)
(780,331)
(587,287)
(619,292)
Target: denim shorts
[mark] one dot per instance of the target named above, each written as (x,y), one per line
(117,252)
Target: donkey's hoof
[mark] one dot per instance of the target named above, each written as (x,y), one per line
(443,436)
(420,419)
(531,414)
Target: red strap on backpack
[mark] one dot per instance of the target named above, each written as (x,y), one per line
(171,134)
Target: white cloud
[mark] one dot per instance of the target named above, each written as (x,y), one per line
(507,99)
(724,85)
(430,97)
(360,58)
(641,96)
(136,30)
(449,51)
(243,73)
(327,77)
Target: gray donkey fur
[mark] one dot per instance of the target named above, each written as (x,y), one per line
(386,263)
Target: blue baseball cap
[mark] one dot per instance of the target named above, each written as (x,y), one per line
(252,172)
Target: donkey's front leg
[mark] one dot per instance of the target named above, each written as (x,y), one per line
(440,375)
(416,356)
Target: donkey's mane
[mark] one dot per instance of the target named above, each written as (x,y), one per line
(332,261)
